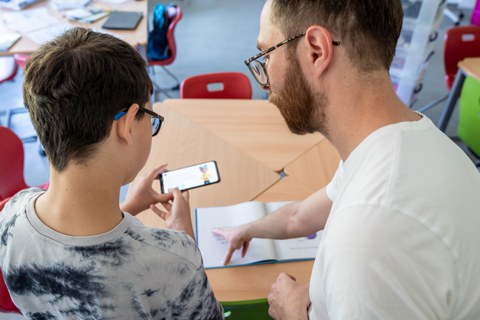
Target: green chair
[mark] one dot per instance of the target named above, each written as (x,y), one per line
(246,310)
(469,115)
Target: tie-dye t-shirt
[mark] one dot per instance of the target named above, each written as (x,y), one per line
(130,272)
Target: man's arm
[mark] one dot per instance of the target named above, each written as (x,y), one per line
(291,221)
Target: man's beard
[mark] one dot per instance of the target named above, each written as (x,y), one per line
(297,104)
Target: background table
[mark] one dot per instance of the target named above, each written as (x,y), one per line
(254,149)
(133,37)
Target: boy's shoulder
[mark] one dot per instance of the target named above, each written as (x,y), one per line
(18,203)
(174,243)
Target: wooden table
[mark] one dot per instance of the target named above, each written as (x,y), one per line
(316,167)
(133,37)
(466,67)
(255,127)
(251,144)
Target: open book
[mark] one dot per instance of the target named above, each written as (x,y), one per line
(214,247)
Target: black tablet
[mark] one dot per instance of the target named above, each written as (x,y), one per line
(123,20)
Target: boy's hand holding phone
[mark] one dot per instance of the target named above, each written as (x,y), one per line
(142,195)
(177,215)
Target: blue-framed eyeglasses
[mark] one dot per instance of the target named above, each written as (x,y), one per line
(157,119)
(257,67)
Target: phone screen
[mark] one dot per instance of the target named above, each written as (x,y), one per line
(195,176)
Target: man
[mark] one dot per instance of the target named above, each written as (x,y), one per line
(401,215)
(71,252)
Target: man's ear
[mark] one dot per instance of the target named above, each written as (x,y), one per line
(319,45)
(125,123)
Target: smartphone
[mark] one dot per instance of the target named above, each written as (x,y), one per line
(191,177)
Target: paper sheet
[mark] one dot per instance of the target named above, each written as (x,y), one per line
(29,20)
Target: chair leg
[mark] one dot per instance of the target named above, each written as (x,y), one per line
(161,90)
(157,91)
(177,85)
(456,17)
(177,81)
(432,104)
(10,113)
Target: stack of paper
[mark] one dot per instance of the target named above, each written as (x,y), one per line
(88,14)
(16,4)
(29,20)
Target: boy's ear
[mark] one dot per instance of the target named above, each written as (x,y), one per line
(125,123)
(319,48)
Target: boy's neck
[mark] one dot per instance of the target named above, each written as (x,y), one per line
(81,201)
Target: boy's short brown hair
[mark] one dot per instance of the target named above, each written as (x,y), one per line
(75,84)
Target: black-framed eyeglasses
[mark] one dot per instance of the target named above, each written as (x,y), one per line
(157,119)
(257,67)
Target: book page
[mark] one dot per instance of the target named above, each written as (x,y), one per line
(294,249)
(213,247)
(298,248)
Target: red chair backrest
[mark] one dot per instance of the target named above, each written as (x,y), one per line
(11,164)
(8,69)
(21,59)
(460,43)
(174,14)
(232,85)
(6,303)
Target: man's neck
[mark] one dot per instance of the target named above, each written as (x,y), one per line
(367,106)
(81,201)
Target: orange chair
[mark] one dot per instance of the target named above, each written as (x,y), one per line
(11,164)
(223,85)
(173,14)
(460,43)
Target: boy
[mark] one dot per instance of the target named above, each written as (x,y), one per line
(71,252)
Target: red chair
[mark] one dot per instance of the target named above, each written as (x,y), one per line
(460,43)
(11,181)
(11,164)
(223,85)
(6,303)
(173,15)
(21,59)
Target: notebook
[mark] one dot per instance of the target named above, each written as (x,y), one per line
(123,20)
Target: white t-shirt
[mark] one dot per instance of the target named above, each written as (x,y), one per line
(403,237)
